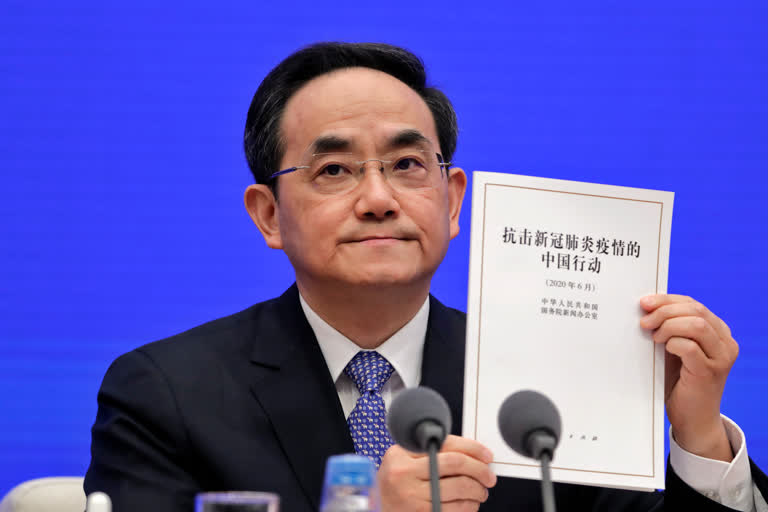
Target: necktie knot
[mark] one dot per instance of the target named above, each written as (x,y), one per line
(369,370)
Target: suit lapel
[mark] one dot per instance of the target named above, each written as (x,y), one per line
(292,384)
(443,363)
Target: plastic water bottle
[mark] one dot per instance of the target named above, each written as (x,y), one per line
(98,502)
(350,485)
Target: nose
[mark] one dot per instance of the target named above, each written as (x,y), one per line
(375,199)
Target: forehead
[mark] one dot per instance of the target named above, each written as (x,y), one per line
(362,105)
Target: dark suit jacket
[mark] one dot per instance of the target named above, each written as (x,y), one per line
(246,402)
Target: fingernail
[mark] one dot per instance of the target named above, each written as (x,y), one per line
(488,454)
(647,301)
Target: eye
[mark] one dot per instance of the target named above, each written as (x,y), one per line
(332,170)
(407,164)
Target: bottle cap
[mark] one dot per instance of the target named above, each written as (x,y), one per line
(354,470)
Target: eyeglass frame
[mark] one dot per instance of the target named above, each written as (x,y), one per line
(444,166)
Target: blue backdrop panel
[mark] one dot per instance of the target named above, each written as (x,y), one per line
(121,217)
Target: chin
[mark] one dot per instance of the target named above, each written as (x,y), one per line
(384,280)
(386,277)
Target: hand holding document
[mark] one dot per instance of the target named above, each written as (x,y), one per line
(557,269)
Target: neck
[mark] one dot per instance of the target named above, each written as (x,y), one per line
(366,315)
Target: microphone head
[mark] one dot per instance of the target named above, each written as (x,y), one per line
(411,408)
(523,413)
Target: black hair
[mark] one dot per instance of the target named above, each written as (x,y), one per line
(262,139)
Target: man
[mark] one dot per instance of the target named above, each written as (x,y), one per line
(350,153)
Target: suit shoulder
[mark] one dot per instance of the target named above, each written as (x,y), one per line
(447,319)
(446,311)
(231,335)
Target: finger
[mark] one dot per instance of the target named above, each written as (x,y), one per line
(456,488)
(685,308)
(468,446)
(672,365)
(690,354)
(400,463)
(398,451)
(460,464)
(694,328)
(653,301)
(460,506)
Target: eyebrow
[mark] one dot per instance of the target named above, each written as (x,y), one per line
(330,144)
(334,143)
(406,138)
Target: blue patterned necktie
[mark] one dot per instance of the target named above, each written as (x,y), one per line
(367,422)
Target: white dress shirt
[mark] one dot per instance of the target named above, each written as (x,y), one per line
(727,483)
(400,350)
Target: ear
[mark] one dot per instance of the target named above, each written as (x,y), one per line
(457,186)
(262,207)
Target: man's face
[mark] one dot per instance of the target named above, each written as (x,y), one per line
(373,234)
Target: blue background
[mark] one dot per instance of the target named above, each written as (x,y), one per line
(121,217)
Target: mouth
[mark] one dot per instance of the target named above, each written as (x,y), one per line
(377,240)
(380,240)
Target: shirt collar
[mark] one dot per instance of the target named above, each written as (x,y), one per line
(404,349)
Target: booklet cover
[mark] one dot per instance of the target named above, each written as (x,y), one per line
(557,269)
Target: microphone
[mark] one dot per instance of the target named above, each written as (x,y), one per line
(530,424)
(419,419)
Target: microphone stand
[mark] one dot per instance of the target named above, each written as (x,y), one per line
(434,477)
(430,435)
(541,445)
(547,492)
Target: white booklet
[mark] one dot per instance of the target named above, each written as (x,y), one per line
(557,269)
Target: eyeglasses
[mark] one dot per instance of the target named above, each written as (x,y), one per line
(338,173)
